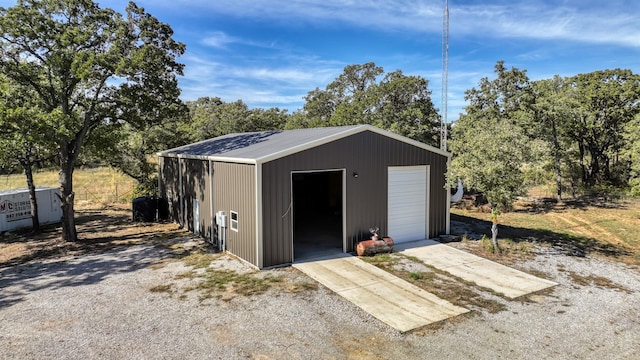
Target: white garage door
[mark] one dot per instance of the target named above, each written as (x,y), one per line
(407,203)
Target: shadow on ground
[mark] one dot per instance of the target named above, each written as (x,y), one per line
(18,281)
(108,243)
(566,244)
(545,205)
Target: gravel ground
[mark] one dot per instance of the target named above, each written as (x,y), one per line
(101,306)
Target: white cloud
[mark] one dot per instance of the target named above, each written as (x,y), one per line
(605,24)
(283,84)
(586,21)
(218,39)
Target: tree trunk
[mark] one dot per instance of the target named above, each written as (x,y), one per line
(595,166)
(28,172)
(582,166)
(67,195)
(558,180)
(494,236)
(558,164)
(606,161)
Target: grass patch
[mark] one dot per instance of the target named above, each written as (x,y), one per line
(578,227)
(229,280)
(598,281)
(199,260)
(302,287)
(440,283)
(225,284)
(168,288)
(540,274)
(191,274)
(508,250)
(455,290)
(383,261)
(415,276)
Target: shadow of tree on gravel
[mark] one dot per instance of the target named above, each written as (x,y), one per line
(109,243)
(566,244)
(18,281)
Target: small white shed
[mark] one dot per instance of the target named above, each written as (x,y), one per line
(15,208)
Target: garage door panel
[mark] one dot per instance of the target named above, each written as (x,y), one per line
(407,202)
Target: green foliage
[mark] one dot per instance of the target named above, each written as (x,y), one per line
(211,117)
(603,103)
(516,134)
(147,188)
(415,276)
(631,151)
(487,245)
(634,187)
(22,123)
(89,68)
(363,95)
(489,142)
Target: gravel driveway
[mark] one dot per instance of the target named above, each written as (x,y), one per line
(110,305)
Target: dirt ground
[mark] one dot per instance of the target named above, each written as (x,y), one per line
(133,290)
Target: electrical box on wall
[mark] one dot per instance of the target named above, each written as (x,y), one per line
(221,219)
(221,222)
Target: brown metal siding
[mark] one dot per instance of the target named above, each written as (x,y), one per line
(368,154)
(197,187)
(193,176)
(234,187)
(169,185)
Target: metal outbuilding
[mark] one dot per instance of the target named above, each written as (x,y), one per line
(270,197)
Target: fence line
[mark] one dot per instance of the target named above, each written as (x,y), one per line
(117,194)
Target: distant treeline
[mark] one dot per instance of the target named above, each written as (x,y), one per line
(581,132)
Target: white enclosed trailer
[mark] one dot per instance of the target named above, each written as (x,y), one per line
(15,208)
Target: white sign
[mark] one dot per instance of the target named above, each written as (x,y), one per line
(15,210)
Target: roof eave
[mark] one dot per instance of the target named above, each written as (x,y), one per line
(349,132)
(208,157)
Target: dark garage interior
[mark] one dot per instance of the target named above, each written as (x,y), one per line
(317,214)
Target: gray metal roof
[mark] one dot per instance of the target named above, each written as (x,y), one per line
(260,147)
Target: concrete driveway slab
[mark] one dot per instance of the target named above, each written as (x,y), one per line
(390,299)
(486,273)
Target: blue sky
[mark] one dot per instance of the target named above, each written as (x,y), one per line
(270,53)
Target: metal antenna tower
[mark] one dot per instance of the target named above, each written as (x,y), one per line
(445,75)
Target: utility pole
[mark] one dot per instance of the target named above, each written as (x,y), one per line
(445,75)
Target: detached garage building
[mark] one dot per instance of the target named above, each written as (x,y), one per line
(288,193)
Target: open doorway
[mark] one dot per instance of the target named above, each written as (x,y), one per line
(318,208)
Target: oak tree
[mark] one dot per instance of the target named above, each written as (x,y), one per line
(22,145)
(364,94)
(490,142)
(91,67)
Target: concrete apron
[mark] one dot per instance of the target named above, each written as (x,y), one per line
(390,299)
(486,273)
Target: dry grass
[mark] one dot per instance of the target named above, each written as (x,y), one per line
(103,219)
(106,229)
(98,230)
(209,279)
(599,281)
(225,284)
(580,227)
(94,186)
(440,283)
